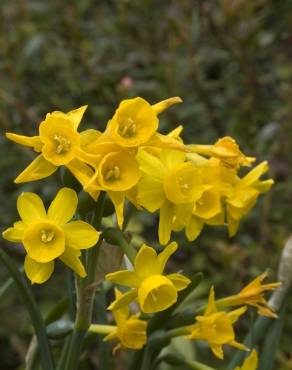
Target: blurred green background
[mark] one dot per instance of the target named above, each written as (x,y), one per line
(229,60)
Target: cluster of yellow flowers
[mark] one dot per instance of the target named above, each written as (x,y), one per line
(190,185)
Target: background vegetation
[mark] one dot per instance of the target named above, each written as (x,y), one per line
(229,60)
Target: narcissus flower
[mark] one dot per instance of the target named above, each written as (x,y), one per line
(59,143)
(153,291)
(130,330)
(50,235)
(170,184)
(250,363)
(216,327)
(253,295)
(244,195)
(227,150)
(135,124)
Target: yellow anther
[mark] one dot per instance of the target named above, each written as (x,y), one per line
(113,174)
(47,236)
(62,144)
(128,128)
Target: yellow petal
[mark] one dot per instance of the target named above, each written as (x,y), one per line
(71,258)
(194,227)
(164,104)
(15,233)
(125,277)
(255,174)
(38,169)
(76,115)
(165,222)
(123,300)
(150,193)
(30,207)
(235,314)
(251,362)
(164,141)
(150,164)
(179,281)
(38,272)
(145,261)
(172,158)
(163,256)
(133,333)
(82,172)
(80,235)
(63,207)
(217,350)
(118,199)
(211,307)
(89,136)
(30,141)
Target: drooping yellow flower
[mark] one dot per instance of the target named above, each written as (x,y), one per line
(153,291)
(59,144)
(216,327)
(250,363)
(244,195)
(252,295)
(168,183)
(227,150)
(130,330)
(50,235)
(135,124)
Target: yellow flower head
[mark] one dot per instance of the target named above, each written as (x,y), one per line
(153,291)
(250,363)
(59,144)
(135,123)
(216,327)
(49,235)
(130,330)
(253,295)
(170,184)
(244,195)
(227,150)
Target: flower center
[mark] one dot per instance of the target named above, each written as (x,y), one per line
(113,174)
(128,128)
(62,144)
(47,236)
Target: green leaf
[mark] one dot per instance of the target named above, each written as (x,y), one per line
(33,309)
(271,344)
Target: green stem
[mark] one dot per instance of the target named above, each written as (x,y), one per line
(195,365)
(116,237)
(85,292)
(178,332)
(33,309)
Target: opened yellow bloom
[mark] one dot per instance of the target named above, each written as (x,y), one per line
(59,143)
(50,235)
(130,330)
(135,124)
(253,295)
(250,363)
(244,195)
(153,291)
(216,327)
(168,183)
(227,150)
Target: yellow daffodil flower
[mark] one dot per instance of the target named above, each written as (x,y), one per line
(130,330)
(244,195)
(50,235)
(250,363)
(135,124)
(170,184)
(227,150)
(59,144)
(216,327)
(252,295)
(153,291)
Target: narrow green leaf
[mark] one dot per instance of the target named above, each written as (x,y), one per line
(33,309)
(4,288)
(271,344)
